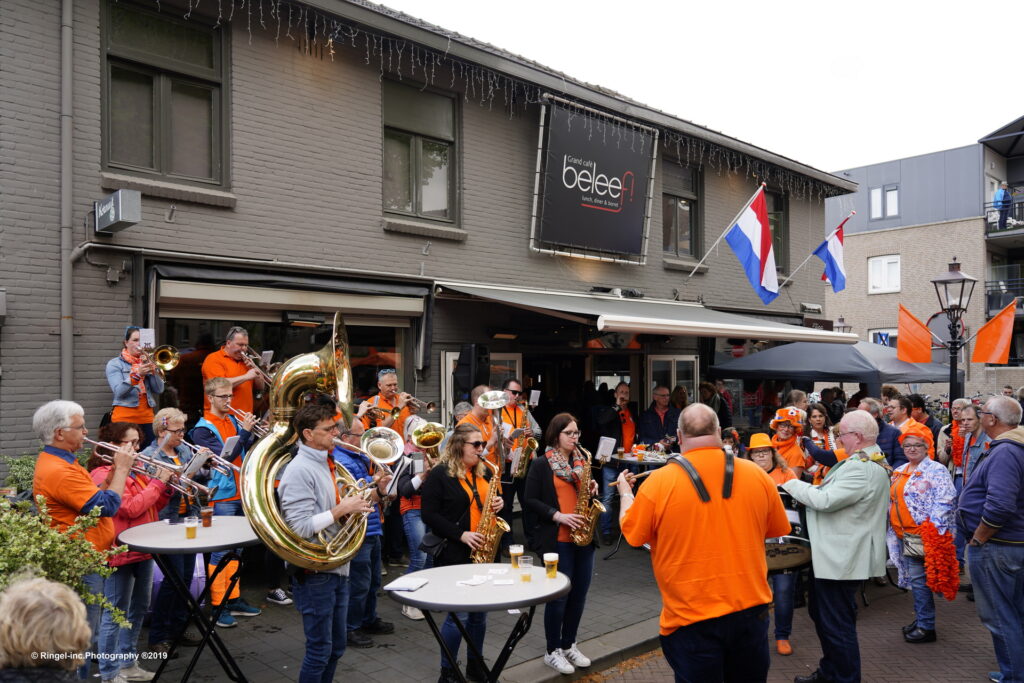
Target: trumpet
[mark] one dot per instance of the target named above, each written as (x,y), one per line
(259,428)
(144,465)
(423,405)
(216,462)
(378,414)
(253,360)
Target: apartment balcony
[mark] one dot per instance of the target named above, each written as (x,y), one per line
(1010,227)
(1006,285)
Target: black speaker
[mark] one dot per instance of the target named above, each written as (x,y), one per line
(473,369)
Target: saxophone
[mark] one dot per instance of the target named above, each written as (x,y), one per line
(589,508)
(491,525)
(529,447)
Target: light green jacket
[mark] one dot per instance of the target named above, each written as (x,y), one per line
(846,518)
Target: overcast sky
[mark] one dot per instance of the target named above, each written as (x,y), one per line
(834,85)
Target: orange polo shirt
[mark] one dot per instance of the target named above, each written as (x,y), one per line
(67,487)
(515,418)
(220,364)
(708,558)
(398,425)
(628,430)
(486,427)
(566,493)
(482,488)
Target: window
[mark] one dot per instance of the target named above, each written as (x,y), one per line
(680,218)
(672,371)
(885,201)
(165,96)
(884,337)
(419,152)
(884,274)
(778,218)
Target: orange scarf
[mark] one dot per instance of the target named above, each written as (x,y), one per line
(958,445)
(790,450)
(137,379)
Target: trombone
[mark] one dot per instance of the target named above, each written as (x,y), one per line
(259,428)
(377,414)
(144,463)
(253,360)
(165,358)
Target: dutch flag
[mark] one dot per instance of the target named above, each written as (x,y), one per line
(751,239)
(831,252)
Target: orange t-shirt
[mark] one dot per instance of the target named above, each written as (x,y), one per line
(220,364)
(514,417)
(398,425)
(486,427)
(482,487)
(67,487)
(141,414)
(628,430)
(566,493)
(781,476)
(898,508)
(708,558)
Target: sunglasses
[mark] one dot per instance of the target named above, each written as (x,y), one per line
(386,371)
(477,444)
(514,392)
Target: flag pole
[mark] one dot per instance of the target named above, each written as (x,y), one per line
(731,223)
(811,255)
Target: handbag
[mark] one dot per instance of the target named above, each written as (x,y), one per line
(432,544)
(913,545)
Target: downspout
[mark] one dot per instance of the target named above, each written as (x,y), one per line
(67,327)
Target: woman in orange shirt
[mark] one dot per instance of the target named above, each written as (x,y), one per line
(783,583)
(134,379)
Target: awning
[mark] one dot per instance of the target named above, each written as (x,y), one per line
(1006,140)
(645,316)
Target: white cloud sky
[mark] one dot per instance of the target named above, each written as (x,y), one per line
(834,85)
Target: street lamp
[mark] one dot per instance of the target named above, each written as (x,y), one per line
(954,289)
(841,326)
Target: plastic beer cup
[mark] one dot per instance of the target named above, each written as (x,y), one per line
(191,524)
(526,568)
(551,565)
(515,552)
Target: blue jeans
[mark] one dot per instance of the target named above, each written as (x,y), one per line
(732,647)
(783,596)
(129,589)
(609,473)
(562,616)
(93,615)
(170,612)
(229,508)
(997,573)
(364,582)
(322,601)
(958,538)
(833,607)
(412,521)
(476,626)
(924,601)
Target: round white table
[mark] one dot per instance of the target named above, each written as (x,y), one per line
(160,539)
(444,593)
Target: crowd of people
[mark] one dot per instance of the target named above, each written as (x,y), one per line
(879,481)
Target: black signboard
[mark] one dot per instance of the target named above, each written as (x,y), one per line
(595,179)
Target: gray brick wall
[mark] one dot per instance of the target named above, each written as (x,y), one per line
(306,168)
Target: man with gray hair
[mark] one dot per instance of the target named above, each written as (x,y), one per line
(846,517)
(888,436)
(68,489)
(991,514)
(230,363)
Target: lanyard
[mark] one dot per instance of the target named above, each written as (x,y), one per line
(476,494)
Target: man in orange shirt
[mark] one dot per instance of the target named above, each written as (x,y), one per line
(387,399)
(230,364)
(70,491)
(707,550)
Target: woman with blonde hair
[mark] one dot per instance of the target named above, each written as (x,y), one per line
(41,616)
(452,503)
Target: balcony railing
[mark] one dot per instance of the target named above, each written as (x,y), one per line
(999,293)
(996,223)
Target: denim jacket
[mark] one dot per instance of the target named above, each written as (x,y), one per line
(126,394)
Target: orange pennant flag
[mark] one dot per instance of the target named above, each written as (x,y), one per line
(993,338)
(914,340)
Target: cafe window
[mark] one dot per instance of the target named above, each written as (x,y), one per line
(672,372)
(680,216)
(419,152)
(165,96)
(884,274)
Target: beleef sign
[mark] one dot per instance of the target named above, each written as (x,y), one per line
(596,175)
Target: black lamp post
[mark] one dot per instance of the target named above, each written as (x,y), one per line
(954,289)
(840,325)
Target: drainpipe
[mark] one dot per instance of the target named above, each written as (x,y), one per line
(67,323)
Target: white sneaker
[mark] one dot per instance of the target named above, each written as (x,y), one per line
(116,679)
(557,661)
(575,657)
(412,613)
(136,673)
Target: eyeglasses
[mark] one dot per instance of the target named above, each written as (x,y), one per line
(332,428)
(514,392)
(915,446)
(386,371)
(477,444)
(842,434)
(79,428)
(175,431)
(223,397)
(572,435)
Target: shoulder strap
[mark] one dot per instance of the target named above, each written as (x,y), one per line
(698,483)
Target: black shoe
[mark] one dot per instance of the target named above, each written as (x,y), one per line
(379,627)
(910,627)
(163,649)
(965,588)
(815,677)
(920,635)
(475,670)
(357,638)
(448,676)
(970,595)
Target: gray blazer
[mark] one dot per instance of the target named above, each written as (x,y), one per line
(846,518)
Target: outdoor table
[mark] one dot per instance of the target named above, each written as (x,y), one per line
(645,464)
(443,594)
(160,539)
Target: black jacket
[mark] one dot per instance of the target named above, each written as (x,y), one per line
(610,424)
(542,500)
(445,511)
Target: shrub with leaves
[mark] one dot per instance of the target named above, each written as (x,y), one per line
(28,544)
(20,470)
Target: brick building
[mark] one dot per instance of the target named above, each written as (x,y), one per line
(294,159)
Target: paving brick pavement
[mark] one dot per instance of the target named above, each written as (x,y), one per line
(962,654)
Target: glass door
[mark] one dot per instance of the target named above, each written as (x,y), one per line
(671,371)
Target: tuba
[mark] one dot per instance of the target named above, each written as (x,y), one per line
(326,371)
(491,526)
(589,508)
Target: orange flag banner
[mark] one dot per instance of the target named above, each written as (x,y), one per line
(992,343)
(914,340)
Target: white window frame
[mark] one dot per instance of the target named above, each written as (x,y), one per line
(449,359)
(876,203)
(672,358)
(879,205)
(887,287)
(891,331)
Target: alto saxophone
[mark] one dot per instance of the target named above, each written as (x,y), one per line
(588,507)
(491,526)
(529,448)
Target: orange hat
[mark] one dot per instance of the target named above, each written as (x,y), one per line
(792,415)
(760,441)
(917,429)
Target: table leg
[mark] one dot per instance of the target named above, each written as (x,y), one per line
(440,641)
(615,550)
(519,630)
